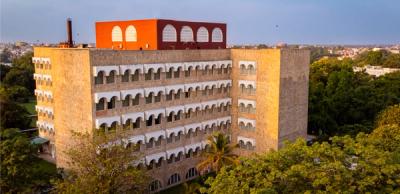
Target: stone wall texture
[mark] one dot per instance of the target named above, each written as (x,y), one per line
(281,94)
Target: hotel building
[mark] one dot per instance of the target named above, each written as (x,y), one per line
(168,85)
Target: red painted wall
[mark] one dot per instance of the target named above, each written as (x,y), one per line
(190,45)
(149,32)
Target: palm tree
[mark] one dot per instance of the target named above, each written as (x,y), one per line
(220,153)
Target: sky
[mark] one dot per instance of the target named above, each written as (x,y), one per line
(248,21)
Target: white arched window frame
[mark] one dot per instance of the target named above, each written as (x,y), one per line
(130,34)
(186,34)
(116,34)
(202,35)
(217,35)
(169,34)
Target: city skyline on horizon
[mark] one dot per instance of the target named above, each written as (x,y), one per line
(308,22)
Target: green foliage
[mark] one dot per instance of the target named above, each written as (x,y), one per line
(17,93)
(365,164)
(344,102)
(101,165)
(379,58)
(13,115)
(219,154)
(4,69)
(389,116)
(24,62)
(19,77)
(21,170)
(20,73)
(318,53)
(17,85)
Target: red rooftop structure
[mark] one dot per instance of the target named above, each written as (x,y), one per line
(160,34)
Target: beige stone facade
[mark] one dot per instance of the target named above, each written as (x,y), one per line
(169,101)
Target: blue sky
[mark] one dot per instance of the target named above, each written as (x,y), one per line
(249,21)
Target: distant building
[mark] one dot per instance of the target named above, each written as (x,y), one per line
(170,95)
(375,70)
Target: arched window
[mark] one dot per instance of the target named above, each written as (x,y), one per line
(111,77)
(192,172)
(169,33)
(243,69)
(168,97)
(158,119)
(135,76)
(242,107)
(177,72)
(128,124)
(111,104)
(157,98)
(100,104)
(170,116)
(186,34)
(249,146)
(130,34)
(169,73)
(202,34)
(178,94)
(136,124)
(251,70)
(116,34)
(150,143)
(242,88)
(149,98)
(242,125)
(171,157)
(126,101)
(241,144)
(99,78)
(158,141)
(149,121)
(217,35)
(169,139)
(148,76)
(155,185)
(157,74)
(135,101)
(113,126)
(125,76)
(178,136)
(189,70)
(103,127)
(175,178)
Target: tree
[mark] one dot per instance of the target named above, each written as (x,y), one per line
(373,58)
(101,165)
(365,164)
(389,116)
(17,158)
(5,56)
(12,114)
(19,77)
(392,61)
(25,62)
(345,102)
(191,188)
(4,69)
(219,154)
(17,93)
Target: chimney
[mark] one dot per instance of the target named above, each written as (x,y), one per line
(70,42)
